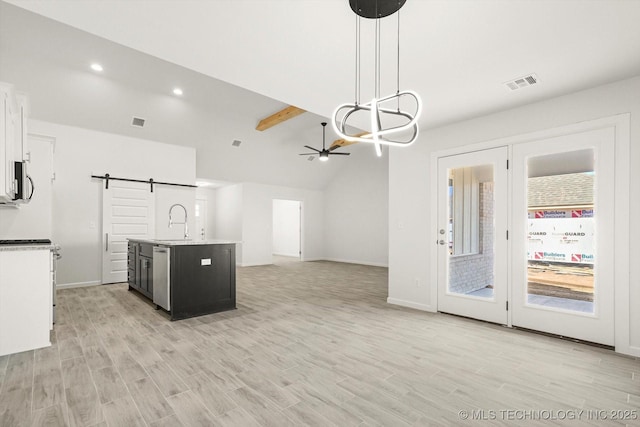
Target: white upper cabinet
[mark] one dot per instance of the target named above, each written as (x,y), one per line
(7,142)
(22,113)
(14,109)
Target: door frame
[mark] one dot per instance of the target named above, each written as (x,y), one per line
(597,326)
(489,309)
(622,130)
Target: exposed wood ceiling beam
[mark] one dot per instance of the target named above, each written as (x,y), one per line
(279,117)
(343,142)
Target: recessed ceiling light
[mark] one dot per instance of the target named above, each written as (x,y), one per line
(177,91)
(96,67)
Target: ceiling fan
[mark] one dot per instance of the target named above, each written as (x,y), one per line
(324,153)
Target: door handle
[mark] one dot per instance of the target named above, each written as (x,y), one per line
(32,187)
(441,242)
(106,235)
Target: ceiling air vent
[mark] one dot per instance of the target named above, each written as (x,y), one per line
(521,82)
(138,122)
(236,143)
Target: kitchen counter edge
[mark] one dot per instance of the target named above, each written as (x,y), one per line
(27,247)
(160,242)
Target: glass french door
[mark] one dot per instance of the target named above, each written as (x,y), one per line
(563,240)
(472,240)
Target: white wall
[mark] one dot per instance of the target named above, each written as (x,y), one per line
(77,198)
(32,220)
(228,216)
(357,210)
(286,228)
(410,195)
(257,223)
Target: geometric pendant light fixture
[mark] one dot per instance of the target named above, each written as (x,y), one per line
(388,123)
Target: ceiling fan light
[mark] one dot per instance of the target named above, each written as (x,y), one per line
(323,154)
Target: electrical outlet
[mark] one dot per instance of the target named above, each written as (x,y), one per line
(92,225)
(417,282)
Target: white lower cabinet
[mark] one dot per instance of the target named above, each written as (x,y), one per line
(25,299)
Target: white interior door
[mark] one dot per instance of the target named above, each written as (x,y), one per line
(563,235)
(128,211)
(287,228)
(201,219)
(472,240)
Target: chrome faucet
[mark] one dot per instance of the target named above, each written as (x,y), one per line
(186,227)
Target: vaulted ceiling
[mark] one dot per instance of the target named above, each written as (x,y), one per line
(240,60)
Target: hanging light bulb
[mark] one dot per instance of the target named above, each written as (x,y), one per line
(379,135)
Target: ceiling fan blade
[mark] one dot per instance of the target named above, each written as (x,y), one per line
(311,148)
(339,154)
(308,154)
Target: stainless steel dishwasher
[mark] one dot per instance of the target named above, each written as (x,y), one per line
(162,277)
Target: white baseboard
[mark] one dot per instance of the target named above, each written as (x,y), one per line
(287,255)
(349,261)
(630,350)
(78,284)
(253,264)
(411,304)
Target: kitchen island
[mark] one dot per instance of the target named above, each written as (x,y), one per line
(187,278)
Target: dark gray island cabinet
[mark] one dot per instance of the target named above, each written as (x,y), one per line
(186,278)
(140,268)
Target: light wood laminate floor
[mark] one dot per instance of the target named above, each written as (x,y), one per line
(311,343)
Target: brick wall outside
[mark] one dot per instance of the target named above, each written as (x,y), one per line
(468,273)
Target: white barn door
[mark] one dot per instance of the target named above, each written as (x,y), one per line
(128,211)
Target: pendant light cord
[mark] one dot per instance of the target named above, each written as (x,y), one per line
(398,62)
(377,55)
(357,65)
(378,61)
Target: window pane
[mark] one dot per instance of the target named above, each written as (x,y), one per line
(471,231)
(561,231)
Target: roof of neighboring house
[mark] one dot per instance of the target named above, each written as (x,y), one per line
(574,189)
